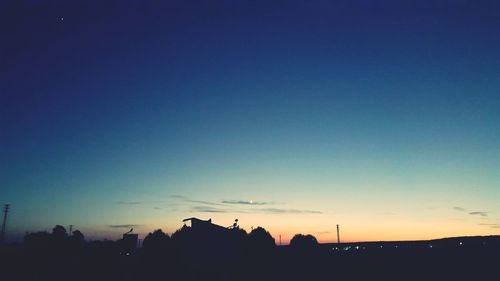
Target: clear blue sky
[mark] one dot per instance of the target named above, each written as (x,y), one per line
(383,117)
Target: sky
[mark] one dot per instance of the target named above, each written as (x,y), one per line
(380,116)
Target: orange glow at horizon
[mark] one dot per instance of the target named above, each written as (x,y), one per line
(382,229)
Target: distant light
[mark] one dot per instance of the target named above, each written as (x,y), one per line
(460,243)
(430,246)
(128,254)
(357,247)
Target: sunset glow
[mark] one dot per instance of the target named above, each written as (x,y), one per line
(382,119)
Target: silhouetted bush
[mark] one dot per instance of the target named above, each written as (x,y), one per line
(37,240)
(303,242)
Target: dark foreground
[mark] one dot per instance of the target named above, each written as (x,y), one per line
(474,259)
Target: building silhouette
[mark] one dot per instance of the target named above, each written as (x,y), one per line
(129,242)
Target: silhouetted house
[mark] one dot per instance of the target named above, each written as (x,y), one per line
(129,242)
(207,226)
(211,240)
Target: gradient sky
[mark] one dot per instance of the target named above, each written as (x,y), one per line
(292,115)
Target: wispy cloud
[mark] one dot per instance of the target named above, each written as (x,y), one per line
(246,202)
(157,208)
(207,209)
(492,225)
(186,199)
(210,209)
(201,206)
(459,209)
(288,211)
(482,214)
(124,225)
(128,202)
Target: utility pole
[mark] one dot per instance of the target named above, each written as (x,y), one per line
(4,225)
(338,234)
(280,239)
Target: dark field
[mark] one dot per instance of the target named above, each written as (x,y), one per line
(477,258)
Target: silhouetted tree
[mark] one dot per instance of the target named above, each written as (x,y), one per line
(182,235)
(59,232)
(181,239)
(303,242)
(78,236)
(260,240)
(59,241)
(156,242)
(77,240)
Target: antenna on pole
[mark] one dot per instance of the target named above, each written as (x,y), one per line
(4,224)
(338,234)
(280,239)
